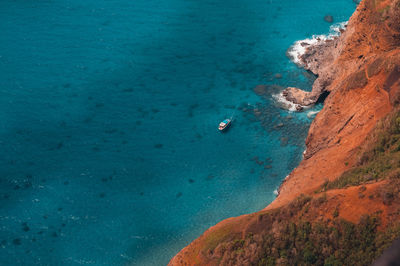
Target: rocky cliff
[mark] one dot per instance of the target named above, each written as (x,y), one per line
(341,205)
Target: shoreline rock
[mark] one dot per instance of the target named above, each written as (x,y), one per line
(318,59)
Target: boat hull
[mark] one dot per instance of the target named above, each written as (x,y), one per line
(223,127)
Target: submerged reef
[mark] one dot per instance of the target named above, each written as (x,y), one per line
(341,205)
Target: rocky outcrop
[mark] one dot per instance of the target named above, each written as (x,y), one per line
(361,71)
(373,29)
(320,59)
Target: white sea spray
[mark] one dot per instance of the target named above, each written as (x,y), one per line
(310,114)
(299,47)
(279,98)
(288,105)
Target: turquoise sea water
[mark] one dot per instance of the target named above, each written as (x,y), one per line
(110,153)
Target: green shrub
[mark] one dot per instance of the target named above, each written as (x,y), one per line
(335,213)
(332,261)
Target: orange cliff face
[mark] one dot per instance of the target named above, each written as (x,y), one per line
(362,77)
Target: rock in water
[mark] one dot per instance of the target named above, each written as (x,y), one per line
(299,108)
(328,18)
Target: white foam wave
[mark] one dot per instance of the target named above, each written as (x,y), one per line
(337,27)
(310,114)
(288,105)
(279,98)
(299,47)
(276,193)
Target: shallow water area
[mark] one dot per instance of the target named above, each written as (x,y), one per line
(109,113)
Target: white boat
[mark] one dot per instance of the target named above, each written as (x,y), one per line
(224,124)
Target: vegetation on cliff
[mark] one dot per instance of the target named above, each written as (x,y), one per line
(380,158)
(287,236)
